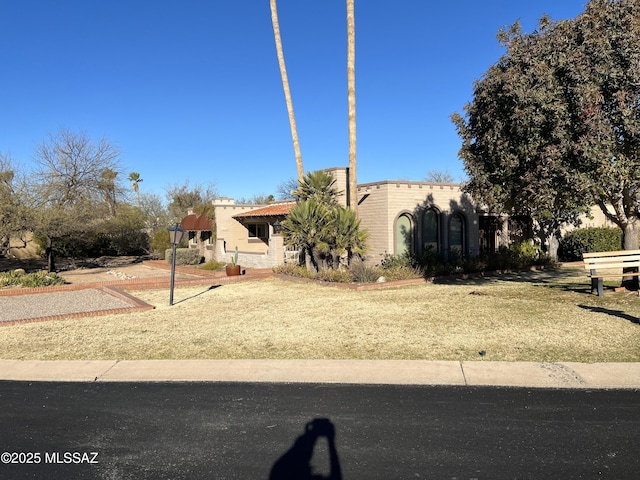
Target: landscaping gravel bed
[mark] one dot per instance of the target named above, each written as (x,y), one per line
(23,307)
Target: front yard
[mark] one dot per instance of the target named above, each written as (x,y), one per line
(531,316)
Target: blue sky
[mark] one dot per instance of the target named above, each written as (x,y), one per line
(190,89)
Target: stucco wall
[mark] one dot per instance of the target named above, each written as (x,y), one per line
(232,232)
(381,203)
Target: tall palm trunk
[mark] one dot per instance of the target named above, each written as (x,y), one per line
(287,92)
(351,94)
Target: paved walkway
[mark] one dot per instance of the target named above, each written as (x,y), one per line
(374,372)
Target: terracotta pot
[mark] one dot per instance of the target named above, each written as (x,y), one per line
(233,270)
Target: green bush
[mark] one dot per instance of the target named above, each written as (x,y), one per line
(184,256)
(18,278)
(592,239)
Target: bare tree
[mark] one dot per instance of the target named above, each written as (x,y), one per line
(74,176)
(439,176)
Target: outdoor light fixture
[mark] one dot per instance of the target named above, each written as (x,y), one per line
(175,236)
(276,227)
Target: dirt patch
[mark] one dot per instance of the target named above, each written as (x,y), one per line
(102,269)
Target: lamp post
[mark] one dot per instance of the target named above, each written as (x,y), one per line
(277,227)
(175,235)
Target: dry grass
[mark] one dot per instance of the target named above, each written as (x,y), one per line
(536,316)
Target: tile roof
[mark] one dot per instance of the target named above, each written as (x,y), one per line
(195,222)
(274,210)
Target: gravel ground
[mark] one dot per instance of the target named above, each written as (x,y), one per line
(37,305)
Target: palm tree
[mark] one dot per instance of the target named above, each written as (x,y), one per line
(287,92)
(351,94)
(135,179)
(107,186)
(318,186)
(307,227)
(347,237)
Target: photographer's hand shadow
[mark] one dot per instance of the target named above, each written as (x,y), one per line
(295,464)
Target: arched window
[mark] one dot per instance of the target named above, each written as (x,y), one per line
(403,235)
(456,236)
(430,231)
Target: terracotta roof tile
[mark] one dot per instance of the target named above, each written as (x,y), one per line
(195,222)
(277,209)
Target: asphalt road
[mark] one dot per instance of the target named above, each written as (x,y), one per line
(257,431)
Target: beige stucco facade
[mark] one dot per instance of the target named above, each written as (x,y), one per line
(399,216)
(384,207)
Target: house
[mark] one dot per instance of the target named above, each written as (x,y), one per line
(401,216)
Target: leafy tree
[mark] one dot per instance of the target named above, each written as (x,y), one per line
(183,197)
(554,125)
(108,188)
(15,217)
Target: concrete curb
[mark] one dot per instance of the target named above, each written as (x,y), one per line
(368,372)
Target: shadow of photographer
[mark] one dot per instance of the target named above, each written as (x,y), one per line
(296,464)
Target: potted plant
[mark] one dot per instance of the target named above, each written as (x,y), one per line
(233,268)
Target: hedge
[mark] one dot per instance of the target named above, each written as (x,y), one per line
(592,239)
(184,256)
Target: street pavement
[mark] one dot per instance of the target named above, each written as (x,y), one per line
(271,431)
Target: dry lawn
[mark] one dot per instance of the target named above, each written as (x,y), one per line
(534,316)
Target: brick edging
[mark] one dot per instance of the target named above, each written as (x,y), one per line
(137,305)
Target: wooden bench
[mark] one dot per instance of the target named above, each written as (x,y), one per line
(601,264)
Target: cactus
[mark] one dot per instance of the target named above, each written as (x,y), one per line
(234,258)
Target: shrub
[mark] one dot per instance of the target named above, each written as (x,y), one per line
(592,239)
(390,261)
(363,273)
(292,270)
(184,256)
(401,272)
(212,265)
(17,278)
(333,275)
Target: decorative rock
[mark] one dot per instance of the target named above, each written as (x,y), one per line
(381,280)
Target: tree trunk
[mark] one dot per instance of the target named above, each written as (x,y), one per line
(287,91)
(351,94)
(630,242)
(554,244)
(51,265)
(630,236)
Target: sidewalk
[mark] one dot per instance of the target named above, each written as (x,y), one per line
(371,372)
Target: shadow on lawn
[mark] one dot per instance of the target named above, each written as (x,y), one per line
(547,276)
(614,313)
(212,287)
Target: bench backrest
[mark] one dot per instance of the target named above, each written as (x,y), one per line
(617,259)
